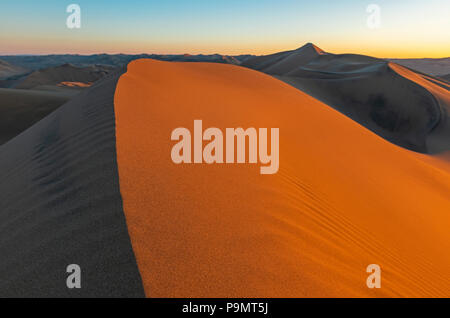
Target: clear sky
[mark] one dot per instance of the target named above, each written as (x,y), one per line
(408,28)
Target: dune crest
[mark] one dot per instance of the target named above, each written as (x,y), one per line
(342,199)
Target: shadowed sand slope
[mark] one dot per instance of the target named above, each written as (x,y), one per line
(439,136)
(20,109)
(60,204)
(343,198)
(30,98)
(373,92)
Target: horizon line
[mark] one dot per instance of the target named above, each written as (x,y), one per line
(205,54)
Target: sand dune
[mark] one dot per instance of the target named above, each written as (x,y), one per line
(64,73)
(20,109)
(373,92)
(262,63)
(343,198)
(436,67)
(283,62)
(60,204)
(93,184)
(30,98)
(439,137)
(8,70)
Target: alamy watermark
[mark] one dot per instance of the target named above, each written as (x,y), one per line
(374,18)
(74,279)
(73,21)
(374,279)
(213,152)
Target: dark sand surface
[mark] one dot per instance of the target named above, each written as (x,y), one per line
(20,109)
(60,204)
(24,100)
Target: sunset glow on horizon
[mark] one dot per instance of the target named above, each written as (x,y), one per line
(408,29)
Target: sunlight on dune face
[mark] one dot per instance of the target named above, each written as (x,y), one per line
(74,84)
(343,197)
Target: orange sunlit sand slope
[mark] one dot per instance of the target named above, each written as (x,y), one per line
(343,197)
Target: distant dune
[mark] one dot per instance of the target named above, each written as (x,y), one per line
(434,67)
(93,184)
(7,70)
(439,137)
(384,97)
(62,74)
(283,62)
(20,109)
(32,97)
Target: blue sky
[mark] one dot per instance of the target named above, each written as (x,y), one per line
(408,27)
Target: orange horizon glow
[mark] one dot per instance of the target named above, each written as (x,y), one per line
(372,46)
